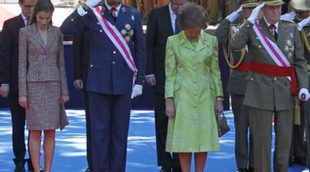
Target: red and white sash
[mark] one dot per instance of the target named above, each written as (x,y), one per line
(115,36)
(273,50)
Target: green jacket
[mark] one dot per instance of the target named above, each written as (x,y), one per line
(268,92)
(195,68)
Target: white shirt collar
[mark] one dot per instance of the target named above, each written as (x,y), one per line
(109,7)
(24,19)
(172,13)
(268,24)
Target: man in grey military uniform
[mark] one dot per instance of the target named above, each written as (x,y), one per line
(277,63)
(301,144)
(237,83)
(300,15)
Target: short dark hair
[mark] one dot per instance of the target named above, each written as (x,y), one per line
(41,5)
(192,15)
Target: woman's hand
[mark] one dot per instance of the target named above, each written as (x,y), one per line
(170,110)
(219,106)
(23,102)
(64,99)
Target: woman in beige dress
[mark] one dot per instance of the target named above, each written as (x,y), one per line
(42,81)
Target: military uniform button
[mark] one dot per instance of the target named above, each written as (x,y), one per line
(100,30)
(98,23)
(275,78)
(113,62)
(259,46)
(114,52)
(251,79)
(91,65)
(72,20)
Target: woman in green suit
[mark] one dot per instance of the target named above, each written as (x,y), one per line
(193,89)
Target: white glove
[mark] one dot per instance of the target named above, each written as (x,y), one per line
(234,15)
(288,16)
(78,84)
(303,23)
(136,91)
(255,13)
(80,10)
(150,80)
(4,90)
(304,94)
(92,3)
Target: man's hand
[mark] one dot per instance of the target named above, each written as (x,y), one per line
(255,13)
(64,99)
(170,109)
(136,91)
(78,84)
(288,16)
(304,94)
(4,90)
(234,15)
(23,102)
(150,80)
(92,3)
(303,23)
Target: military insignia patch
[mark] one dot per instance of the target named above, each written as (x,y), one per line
(127,32)
(124,9)
(289,42)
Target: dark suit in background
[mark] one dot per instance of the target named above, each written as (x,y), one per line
(9,75)
(159,28)
(80,61)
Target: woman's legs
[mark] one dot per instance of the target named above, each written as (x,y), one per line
(185,161)
(200,161)
(34,146)
(48,146)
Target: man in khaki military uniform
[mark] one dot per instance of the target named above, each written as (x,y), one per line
(277,63)
(236,86)
(299,151)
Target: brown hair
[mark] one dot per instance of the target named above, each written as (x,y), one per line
(41,5)
(191,15)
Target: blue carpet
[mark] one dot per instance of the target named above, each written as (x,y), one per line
(70,153)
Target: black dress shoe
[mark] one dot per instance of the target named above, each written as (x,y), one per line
(165,169)
(242,170)
(290,161)
(300,161)
(19,165)
(251,169)
(176,169)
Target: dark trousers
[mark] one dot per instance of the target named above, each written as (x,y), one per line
(298,145)
(88,133)
(307,130)
(18,125)
(109,115)
(261,127)
(243,136)
(164,158)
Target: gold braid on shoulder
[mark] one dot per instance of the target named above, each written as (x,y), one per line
(304,39)
(227,57)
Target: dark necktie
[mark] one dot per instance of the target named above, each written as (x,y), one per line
(273,31)
(176,26)
(113,13)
